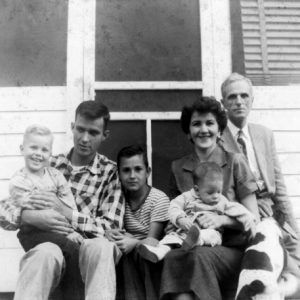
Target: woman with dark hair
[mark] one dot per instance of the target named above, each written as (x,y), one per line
(181,181)
(206,272)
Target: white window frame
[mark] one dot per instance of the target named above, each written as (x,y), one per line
(81,84)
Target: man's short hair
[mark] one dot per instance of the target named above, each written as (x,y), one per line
(207,170)
(37,129)
(233,77)
(131,151)
(93,110)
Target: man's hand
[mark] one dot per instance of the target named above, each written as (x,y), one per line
(113,234)
(185,223)
(44,200)
(75,237)
(265,207)
(48,220)
(47,200)
(250,226)
(126,244)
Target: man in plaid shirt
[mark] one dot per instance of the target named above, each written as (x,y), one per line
(96,188)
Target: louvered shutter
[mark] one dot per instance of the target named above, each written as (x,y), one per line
(266,34)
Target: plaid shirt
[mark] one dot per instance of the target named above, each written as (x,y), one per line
(10,215)
(97,192)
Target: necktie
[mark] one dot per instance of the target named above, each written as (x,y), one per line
(241,142)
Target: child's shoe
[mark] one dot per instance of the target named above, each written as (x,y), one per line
(153,254)
(172,240)
(191,239)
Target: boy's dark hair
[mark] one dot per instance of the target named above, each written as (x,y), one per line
(207,170)
(202,106)
(93,110)
(130,151)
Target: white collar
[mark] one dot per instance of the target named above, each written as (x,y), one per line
(234,130)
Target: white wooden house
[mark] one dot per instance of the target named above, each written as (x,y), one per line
(144,59)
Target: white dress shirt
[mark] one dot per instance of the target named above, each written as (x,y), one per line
(250,151)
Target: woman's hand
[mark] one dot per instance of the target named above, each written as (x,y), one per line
(185,223)
(126,244)
(211,221)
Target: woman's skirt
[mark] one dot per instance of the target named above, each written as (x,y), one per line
(207,272)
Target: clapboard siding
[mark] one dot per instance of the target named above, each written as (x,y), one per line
(3,188)
(8,239)
(32,99)
(277,119)
(295,201)
(16,122)
(287,141)
(290,163)
(293,185)
(272,97)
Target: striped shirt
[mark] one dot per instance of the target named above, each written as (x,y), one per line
(154,209)
(97,192)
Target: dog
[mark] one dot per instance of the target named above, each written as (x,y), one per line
(262,264)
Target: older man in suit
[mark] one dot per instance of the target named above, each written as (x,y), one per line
(257,143)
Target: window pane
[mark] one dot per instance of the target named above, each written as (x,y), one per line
(33,42)
(169,143)
(122,101)
(142,40)
(123,133)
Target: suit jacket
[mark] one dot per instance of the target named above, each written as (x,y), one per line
(268,164)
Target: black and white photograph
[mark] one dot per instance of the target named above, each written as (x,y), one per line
(150,150)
